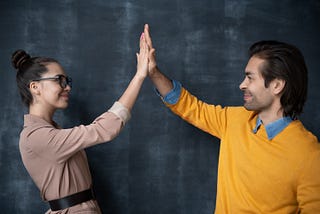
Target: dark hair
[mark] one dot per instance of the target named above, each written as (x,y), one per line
(28,68)
(286,62)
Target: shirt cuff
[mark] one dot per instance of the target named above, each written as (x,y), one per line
(173,96)
(121,111)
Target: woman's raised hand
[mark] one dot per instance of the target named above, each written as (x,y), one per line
(142,58)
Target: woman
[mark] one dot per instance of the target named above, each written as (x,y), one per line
(55,157)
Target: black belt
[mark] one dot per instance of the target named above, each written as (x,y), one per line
(71,200)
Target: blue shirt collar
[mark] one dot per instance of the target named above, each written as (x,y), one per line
(273,128)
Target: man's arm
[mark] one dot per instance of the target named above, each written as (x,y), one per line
(208,118)
(161,82)
(308,192)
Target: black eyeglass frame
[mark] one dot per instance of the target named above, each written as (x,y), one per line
(63,80)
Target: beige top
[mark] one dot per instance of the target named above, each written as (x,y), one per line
(55,158)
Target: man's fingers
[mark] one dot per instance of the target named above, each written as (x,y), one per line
(147,35)
(153,51)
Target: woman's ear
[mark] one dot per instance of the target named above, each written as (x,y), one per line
(278,86)
(34,88)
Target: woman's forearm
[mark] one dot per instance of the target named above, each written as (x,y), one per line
(129,97)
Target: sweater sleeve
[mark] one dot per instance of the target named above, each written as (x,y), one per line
(308,191)
(209,118)
(60,144)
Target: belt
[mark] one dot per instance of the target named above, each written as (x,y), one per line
(71,200)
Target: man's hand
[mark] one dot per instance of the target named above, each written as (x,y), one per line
(152,59)
(161,82)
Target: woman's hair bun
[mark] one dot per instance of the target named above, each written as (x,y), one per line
(18,58)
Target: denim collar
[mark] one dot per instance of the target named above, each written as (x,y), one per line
(273,128)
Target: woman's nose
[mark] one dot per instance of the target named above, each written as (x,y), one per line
(67,88)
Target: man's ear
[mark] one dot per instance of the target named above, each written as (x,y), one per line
(34,88)
(278,86)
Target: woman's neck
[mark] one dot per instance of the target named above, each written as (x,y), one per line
(41,112)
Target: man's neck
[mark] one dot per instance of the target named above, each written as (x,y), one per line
(270,116)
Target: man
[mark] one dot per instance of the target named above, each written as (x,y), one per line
(269,162)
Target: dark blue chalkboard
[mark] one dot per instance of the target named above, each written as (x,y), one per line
(159,163)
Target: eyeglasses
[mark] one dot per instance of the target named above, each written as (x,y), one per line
(63,80)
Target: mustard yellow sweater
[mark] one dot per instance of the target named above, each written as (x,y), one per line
(257,175)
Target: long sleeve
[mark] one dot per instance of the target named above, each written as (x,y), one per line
(209,118)
(59,144)
(308,191)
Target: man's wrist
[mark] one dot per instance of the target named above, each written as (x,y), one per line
(153,72)
(173,95)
